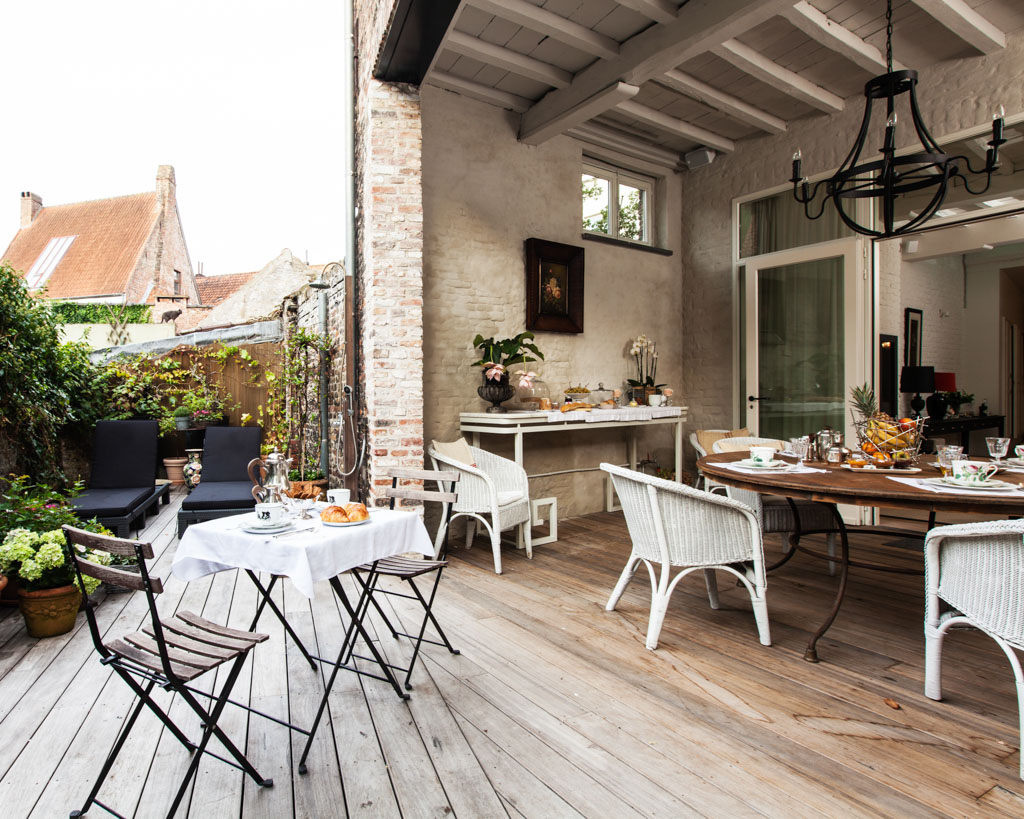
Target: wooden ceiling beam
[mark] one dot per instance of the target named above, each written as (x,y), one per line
(601,136)
(698,27)
(788,82)
(551,25)
(484,93)
(676,126)
(507,59)
(834,37)
(720,101)
(965,23)
(661,11)
(603,100)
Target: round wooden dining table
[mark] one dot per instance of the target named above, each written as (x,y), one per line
(858,487)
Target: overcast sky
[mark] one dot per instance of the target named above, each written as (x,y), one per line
(242,98)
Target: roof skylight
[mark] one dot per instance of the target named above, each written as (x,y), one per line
(48,261)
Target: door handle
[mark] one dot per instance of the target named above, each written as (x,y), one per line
(758,398)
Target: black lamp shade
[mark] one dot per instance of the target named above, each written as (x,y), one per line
(917,379)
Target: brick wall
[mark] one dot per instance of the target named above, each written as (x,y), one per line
(390,253)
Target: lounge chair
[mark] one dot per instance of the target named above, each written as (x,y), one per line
(225,488)
(122,485)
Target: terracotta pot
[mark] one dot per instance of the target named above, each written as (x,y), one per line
(175,469)
(50,612)
(3,582)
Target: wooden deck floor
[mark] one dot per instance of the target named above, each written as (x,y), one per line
(554,708)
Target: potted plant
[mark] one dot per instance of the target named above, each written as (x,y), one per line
(496,359)
(49,595)
(182,418)
(645,363)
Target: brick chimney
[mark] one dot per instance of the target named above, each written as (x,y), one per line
(165,186)
(31,204)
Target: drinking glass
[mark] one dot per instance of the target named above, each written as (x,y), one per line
(799,447)
(946,456)
(997,448)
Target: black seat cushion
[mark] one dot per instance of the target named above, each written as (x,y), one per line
(124,454)
(220,495)
(109,503)
(227,452)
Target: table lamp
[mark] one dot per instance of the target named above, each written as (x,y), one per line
(917,380)
(937,403)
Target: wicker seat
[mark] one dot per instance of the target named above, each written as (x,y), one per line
(675,525)
(165,652)
(976,570)
(492,486)
(775,513)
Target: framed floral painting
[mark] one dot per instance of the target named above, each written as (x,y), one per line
(554,287)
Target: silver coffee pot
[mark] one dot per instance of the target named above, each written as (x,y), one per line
(822,441)
(270,478)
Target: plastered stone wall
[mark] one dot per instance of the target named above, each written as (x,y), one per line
(389,239)
(953,95)
(484,194)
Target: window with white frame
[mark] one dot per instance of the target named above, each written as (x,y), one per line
(617,203)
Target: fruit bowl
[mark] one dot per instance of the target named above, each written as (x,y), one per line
(888,438)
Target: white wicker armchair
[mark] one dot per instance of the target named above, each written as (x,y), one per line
(496,487)
(976,568)
(675,525)
(773,512)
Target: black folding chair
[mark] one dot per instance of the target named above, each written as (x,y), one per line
(408,569)
(167,653)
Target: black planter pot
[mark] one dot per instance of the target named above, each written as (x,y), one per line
(936,404)
(496,392)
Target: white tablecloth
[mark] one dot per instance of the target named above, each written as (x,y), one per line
(313,554)
(930,485)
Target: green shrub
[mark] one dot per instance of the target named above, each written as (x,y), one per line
(70,312)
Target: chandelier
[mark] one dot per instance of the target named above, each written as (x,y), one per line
(891,176)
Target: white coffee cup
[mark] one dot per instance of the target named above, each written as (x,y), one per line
(338,496)
(655,400)
(973,472)
(762,454)
(1019,451)
(269,514)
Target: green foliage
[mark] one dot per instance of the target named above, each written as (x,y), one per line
(594,191)
(46,385)
(303,354)
(69,312)
(39,561)
(507,351)
(38,507)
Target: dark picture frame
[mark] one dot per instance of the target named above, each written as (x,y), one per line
(554,286)
(913,320)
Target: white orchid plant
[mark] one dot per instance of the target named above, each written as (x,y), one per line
(645,359)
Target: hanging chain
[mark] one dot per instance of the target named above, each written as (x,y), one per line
(888,35)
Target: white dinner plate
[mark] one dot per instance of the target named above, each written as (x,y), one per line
(344,523)
(907,469)
(988,486)
(770,465)
(1019,462)
(261,529)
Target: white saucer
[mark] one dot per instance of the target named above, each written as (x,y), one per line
(770,465)
(263,529)
(869,468)
(990,485)
(344,523)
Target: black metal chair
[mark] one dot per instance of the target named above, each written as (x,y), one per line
(407,569)
(167,653)
(122,485)
(225,488)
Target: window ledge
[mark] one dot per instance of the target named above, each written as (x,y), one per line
(608,240)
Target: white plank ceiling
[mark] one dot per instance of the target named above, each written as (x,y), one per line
(656,79)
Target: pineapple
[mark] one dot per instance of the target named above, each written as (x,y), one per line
(864,401)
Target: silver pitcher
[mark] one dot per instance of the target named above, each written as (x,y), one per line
(822,441)
(270,478)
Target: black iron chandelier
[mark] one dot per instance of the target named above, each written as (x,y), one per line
(891,176)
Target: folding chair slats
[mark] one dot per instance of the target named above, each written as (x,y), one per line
(178,655)
(118,577)
(423,474)
(177,626)
(428,495)
(220,631)
(151,661)
(404,566)
(220,651)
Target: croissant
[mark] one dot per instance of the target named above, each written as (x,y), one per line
(334,514)
(576,405)
(356,512)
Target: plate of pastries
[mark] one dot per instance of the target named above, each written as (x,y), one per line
(345,514)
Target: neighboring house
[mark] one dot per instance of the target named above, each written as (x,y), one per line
(122,250)
(214,289)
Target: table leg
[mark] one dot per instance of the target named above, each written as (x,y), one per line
(268,601)
(632,448)
(679,452)
(519,448)
(811,652)
(476,440)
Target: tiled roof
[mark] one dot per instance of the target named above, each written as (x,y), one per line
(214,289)
(110,235)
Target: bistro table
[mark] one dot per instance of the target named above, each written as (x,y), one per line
(833,485)
(308,553)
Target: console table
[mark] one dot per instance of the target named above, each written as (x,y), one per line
(964,425)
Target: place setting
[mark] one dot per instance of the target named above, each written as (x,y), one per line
(967,477)
(768,460)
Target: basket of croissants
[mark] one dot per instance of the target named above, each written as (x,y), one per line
(345,513)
